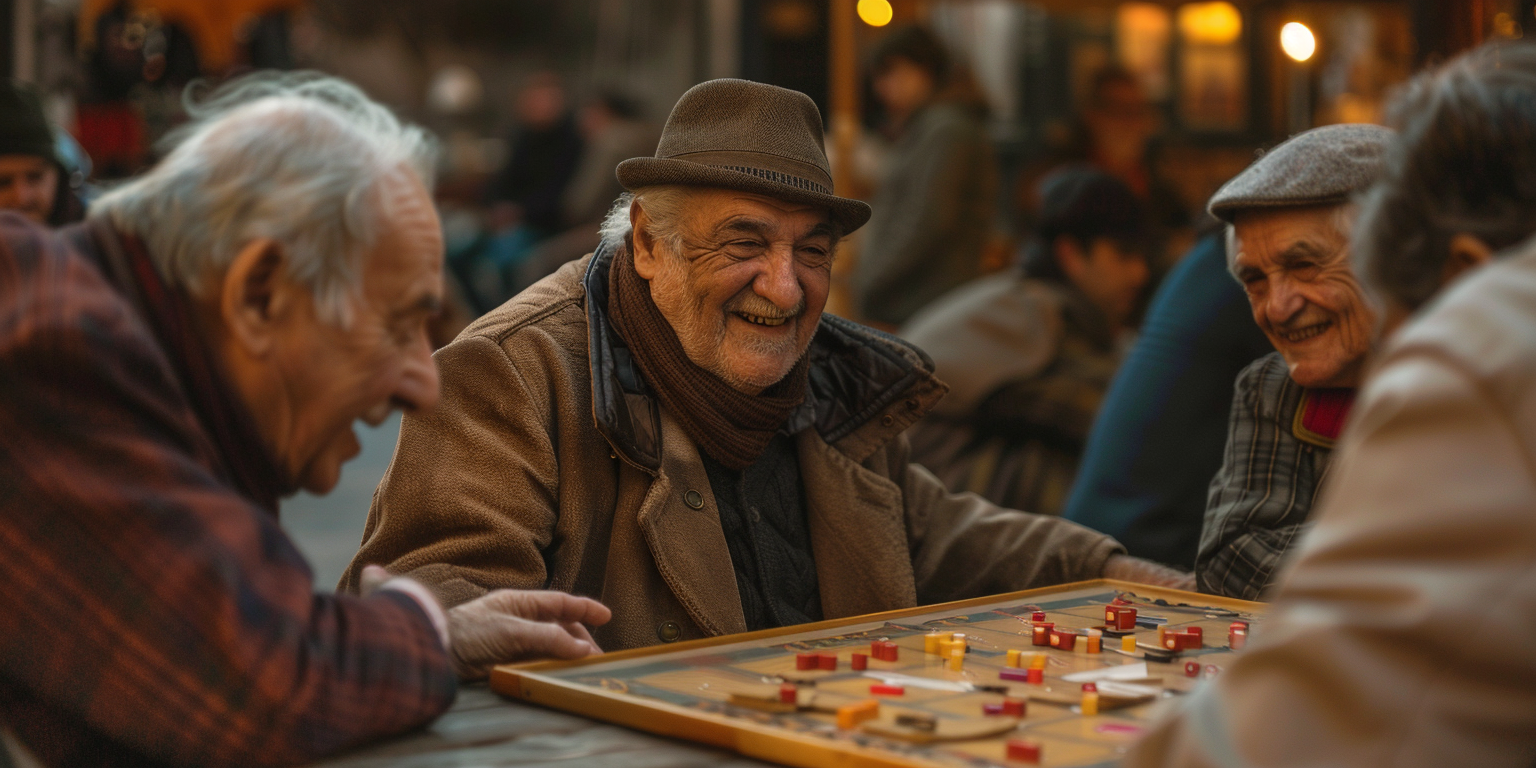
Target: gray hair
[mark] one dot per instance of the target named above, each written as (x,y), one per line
(664,206)
(1464,162)
(296,157)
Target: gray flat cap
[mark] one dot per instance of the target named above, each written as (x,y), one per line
(1321,166)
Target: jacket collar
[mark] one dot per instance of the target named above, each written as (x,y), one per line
(865,386)
(239,454)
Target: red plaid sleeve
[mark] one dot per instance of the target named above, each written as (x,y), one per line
(148,611)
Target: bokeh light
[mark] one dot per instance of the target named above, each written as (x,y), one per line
(1215,23)
(1297,41)
(876,13)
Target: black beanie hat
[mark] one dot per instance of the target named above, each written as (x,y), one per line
(1085,203)
(23,128)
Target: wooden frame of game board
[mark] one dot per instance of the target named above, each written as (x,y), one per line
(525,682)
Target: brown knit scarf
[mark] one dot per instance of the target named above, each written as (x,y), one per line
(731,426)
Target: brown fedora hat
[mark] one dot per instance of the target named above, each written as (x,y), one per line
(737,134)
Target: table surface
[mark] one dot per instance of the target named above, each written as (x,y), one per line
(484,729)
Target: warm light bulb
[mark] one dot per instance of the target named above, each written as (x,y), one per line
(876,13)
(1297,41)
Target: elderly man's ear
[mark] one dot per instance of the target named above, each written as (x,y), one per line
(257,297)
(647,260)
(1466,254)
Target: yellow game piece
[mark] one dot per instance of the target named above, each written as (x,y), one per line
(1160,631)
(1080,644)
(1038,662)
(1090,703)
(1128,643)
(1015,657)
(931,642)
(944,646)
(1093,642)
(956,657)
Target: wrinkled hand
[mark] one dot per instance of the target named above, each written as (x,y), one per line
(511,625)
(1126,568)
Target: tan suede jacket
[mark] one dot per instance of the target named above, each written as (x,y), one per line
(546,465)
(1402,632)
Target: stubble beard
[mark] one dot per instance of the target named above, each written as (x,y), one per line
(702,332)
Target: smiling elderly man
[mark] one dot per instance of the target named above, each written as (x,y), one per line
(1288,244)
(671,424)
(169,369)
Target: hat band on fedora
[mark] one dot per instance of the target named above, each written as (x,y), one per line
(776,177)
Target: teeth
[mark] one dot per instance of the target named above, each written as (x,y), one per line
(771,322)
(1305,333)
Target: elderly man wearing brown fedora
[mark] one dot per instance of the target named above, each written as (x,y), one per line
(671,425)
(1290,215)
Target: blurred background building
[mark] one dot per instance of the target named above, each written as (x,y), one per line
(536,100)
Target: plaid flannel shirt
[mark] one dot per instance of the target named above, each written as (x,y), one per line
(150,613)
(1260,499)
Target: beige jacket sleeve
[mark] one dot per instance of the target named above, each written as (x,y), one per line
(469,501)
(1405,634)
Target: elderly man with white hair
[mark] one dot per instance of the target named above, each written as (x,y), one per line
(673,426)
(169,369)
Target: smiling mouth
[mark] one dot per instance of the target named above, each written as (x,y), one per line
(767,322)
(1303,334)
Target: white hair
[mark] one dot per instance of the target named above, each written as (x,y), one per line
(663,205)
(297,158)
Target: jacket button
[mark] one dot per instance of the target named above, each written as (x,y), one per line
(887,420)
(669,631)
(693,499)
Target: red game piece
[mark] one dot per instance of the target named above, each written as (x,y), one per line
(1191,669)
(1036,676)
(1063,640)
(1013,707)
(1043,633)
(827,661)
(789,694)
(879,689)
(1196,631)
(1010,673)
(1090,687)
(1024,751)
(805,661)
(1037,616)
(991,709)
(859,661)
(883,650)
(1119,618)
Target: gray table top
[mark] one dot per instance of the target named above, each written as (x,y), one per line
(484,729)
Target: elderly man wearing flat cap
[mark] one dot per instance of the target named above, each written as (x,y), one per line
(671,425)
(1289,216)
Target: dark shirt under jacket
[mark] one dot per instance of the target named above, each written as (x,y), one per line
(1159,436)
(152,613)
(540,166)
(762,512)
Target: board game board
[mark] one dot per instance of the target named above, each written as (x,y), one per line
(752,693)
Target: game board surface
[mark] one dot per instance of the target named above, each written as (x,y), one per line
(726,691)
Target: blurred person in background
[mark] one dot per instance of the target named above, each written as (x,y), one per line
(935,206)
(612,130)
(1161,432)
(1290,216)
(526,197)
(34,178)
(1114,132)
(1427,524)
(197,349)
(1028,354)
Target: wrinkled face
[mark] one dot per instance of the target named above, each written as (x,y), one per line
(381,360)
(747,290)
(1112,276)
(1294,263)
(28,185)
